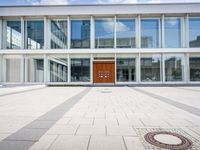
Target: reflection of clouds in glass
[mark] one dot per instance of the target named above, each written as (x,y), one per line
(172,21)
(121,27)
(108,25)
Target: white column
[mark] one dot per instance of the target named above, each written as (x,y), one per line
(163,31)
(22,69)
(69,32)
(26,68)
(91,68)
(138,32)
(69,69)
(92,34)
(4,34)
(115,68)
(163,68)
(138,70)
(187,67)
(22,33)
(45,69)
(3,69)
(1,60)
(115,34)
(187,31)
(45,33)
(1,33)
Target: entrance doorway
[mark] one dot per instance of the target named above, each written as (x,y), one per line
(104,72)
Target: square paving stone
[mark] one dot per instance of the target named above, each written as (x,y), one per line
(106,143)
(91,130)
(65,142)
(63,129)
(133,143)
(121,131)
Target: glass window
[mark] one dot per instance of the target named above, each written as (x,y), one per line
(57,68)
(13,69)
(194,32)
(174,68)
(13,39)
(173,32)
(104,33)
(126,70)
(125,31)
(80,70)
(80,33)
(195,68)
(150,33)
(58,34)
(34,68)
(34,34)
(150,68)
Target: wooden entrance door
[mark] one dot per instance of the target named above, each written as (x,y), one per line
(104,72)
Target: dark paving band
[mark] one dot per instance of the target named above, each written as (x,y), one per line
(184,145)
(24,138)
(182,106)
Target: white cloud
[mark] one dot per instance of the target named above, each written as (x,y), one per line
(116,1)
(108,25)
(143,1)
(48,2)
(121,27)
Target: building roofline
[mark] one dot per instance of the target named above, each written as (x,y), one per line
(116,4)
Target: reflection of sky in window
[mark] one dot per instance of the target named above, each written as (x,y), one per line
(150,30)
(172,32)
(104,28)
(80,29)
(13,34)
(125,28)
(194,25)
(35,34)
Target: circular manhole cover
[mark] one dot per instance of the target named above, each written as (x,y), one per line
(168,140)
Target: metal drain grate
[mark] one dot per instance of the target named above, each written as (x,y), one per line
(183,145)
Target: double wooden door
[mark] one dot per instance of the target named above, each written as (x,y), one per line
(104,72)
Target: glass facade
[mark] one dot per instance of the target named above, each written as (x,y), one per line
(34,34)
(120,36)
(104,33)
(125,33)
(59,34)
(173,32)
(194,68)
(34,66)
(57,68)
(150,33)
(80,33)
(150,68)
(126,69)
(194,32)
(13,35)
(80,70)
(108,33)
(174,68)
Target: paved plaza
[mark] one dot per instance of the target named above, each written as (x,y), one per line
(97,118)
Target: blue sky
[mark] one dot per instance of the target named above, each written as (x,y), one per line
(51,2)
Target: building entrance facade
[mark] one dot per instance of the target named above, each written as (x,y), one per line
(104,72)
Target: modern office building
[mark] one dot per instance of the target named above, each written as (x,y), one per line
(97,44)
